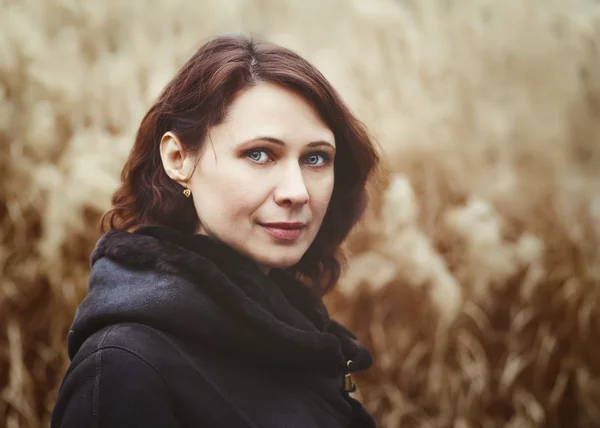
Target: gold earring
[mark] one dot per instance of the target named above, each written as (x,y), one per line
(187,192)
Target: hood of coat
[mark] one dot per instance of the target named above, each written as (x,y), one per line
(199,289)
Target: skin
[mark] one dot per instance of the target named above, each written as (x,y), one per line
(270,160)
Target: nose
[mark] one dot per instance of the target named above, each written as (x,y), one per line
(291,190)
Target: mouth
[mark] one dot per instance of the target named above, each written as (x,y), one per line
(284,231)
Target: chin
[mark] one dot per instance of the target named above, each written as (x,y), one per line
(281,261)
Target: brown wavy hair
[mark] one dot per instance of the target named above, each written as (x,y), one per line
(196,99)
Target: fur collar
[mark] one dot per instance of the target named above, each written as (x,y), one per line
(198,287)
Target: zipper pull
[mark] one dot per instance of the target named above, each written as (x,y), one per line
(348,385)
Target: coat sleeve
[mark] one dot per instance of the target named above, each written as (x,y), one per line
(113,387)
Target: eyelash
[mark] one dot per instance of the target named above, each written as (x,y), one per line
(325,156)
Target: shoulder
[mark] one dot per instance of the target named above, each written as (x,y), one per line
(125,351)
(133,375)
(130,340)
(112,382)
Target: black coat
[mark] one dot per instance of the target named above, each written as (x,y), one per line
(182,331)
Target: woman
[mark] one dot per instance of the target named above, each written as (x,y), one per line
(204,306)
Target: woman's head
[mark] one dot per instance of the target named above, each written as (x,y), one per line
(259,137)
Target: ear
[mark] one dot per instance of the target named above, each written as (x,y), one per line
(178,164)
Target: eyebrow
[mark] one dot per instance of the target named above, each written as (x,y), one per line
(282,143)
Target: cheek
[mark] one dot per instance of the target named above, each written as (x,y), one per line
(321,196)
(228,193)
(244,193)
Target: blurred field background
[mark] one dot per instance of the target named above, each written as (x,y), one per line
(475,278)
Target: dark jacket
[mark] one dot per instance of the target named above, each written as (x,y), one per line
(182,331)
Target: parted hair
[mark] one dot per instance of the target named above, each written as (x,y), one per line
(196,99)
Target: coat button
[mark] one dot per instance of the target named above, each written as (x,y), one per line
(350,364)
(348,385)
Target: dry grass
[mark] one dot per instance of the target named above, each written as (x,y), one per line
(475,279)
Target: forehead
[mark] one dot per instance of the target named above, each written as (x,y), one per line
(272,110)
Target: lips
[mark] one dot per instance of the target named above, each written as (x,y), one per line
(284,231)
(285,225)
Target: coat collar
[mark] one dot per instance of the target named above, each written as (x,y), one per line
(214,294)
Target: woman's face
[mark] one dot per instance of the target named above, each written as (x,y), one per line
(265,176)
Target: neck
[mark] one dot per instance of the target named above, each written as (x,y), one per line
(202,231)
